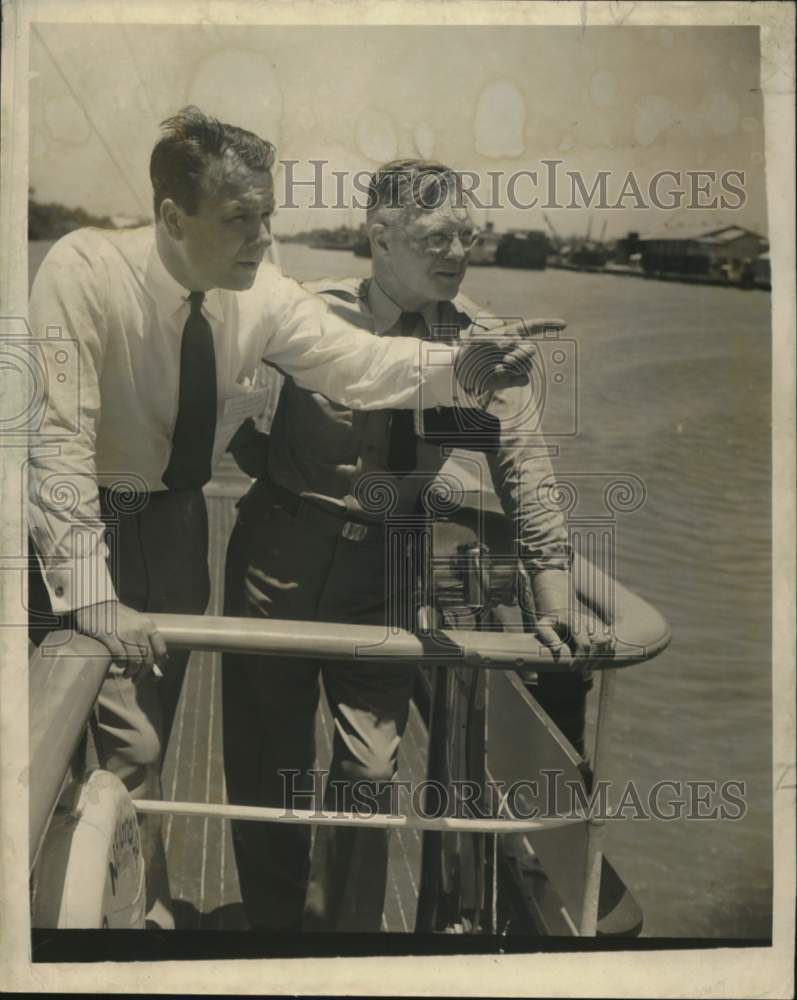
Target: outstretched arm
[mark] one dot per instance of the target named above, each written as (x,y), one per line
(351,366)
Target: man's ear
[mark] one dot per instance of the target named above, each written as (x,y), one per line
(171,215)
(378,237)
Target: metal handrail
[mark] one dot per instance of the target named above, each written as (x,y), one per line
(67,671)
(374,820)
(372,644)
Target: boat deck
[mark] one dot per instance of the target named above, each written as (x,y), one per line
(204,881)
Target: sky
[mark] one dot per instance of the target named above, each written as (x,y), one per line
(500,99)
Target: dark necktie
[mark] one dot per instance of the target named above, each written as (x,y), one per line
(402,446)
(444,426)
(192,444)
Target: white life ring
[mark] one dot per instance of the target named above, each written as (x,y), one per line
(90,871)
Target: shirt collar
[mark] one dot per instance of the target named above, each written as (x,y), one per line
(386,312)
(464,307)
(169,294)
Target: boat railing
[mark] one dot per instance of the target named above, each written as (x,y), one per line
(67,670)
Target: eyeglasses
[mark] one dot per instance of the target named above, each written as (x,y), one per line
(441,242)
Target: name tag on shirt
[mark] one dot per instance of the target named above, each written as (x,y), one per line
(248,402)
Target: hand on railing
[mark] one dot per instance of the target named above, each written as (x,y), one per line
(568,629)
(131,638)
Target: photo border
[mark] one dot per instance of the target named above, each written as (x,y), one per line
(708,971)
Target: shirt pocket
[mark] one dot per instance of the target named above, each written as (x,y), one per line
(243,402)
(236,406)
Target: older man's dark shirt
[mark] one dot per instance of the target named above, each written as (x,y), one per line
(327,453)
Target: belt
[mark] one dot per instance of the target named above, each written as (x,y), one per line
(313,513)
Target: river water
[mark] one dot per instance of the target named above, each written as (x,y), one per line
(673,387)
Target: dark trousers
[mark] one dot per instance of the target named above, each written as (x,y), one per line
(280,566)
(159,563)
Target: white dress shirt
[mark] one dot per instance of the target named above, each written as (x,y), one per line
(104,301)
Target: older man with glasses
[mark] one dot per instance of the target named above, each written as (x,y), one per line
(311,545)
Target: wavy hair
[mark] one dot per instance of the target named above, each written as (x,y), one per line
(192,143)
(410,186)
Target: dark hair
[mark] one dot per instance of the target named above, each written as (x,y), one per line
(191,143)
(412,186)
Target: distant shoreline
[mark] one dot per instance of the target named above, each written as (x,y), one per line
(37,250)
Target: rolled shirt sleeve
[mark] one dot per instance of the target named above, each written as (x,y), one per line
(326,354)
(524,482)
(67,314)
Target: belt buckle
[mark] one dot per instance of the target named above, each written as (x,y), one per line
(354,531)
